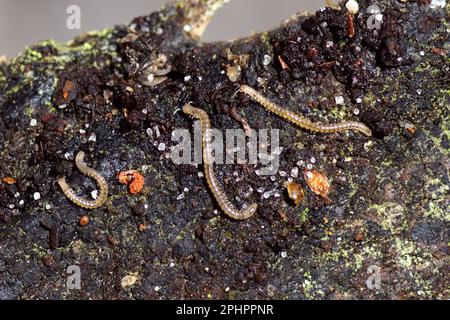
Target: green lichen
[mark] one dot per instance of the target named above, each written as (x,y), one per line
(435,212)
(391,216)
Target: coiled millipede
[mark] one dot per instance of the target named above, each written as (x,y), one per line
(101,182)
(300,120)
(219,194)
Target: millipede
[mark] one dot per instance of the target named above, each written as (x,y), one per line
(301,121)
(219,194)
(99,179)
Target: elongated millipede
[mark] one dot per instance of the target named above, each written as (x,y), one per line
(300,120)
(101,183)
(219,194)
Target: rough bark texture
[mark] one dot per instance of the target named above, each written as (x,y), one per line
(389,194)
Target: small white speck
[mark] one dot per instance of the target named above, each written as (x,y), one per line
(206,269)
(93,137)
(260,189)
(419,92)
(172,264)
(33,123)
(352,7)
(313,160)
(11,206)
(67,155)
(200,78)
(87,125)
(82,131)
(145,206)
(159,31)
(16,195)
(422,53)
(339,100)
(94,194)
(158,133)
(309,166)
(437,4)
(278,150)
(36,196)
(187,28)
(358,100)
(48,206)
(180,197)
(157,288)
(21,202)
(309,175)
(329,44)
(356,112)
(63,106)
(267,60)
(267,194)
(227,289)
(185,190)
(200,175)
(294,172)
(162,147)
(187,78)
(379,17)
(144,111)
(284,254)
(149,132)
(283,174)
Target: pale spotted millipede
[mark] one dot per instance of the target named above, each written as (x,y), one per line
(302,121)
(101,182)
(225,204)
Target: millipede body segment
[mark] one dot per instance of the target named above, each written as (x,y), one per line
(300,120)
(101,182)
(227,207)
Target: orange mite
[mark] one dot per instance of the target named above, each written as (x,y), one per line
(295,192)
(133,179)
(9,180)
(318,183)
(84,221)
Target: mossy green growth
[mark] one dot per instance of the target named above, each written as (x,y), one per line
(390,216)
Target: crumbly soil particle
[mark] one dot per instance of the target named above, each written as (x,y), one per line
(389,199)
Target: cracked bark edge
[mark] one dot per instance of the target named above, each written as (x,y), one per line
(198,14)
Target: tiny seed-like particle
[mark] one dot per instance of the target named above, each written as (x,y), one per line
(352,7)
(9,180)
(296,192)
(128,281)
(84,221)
